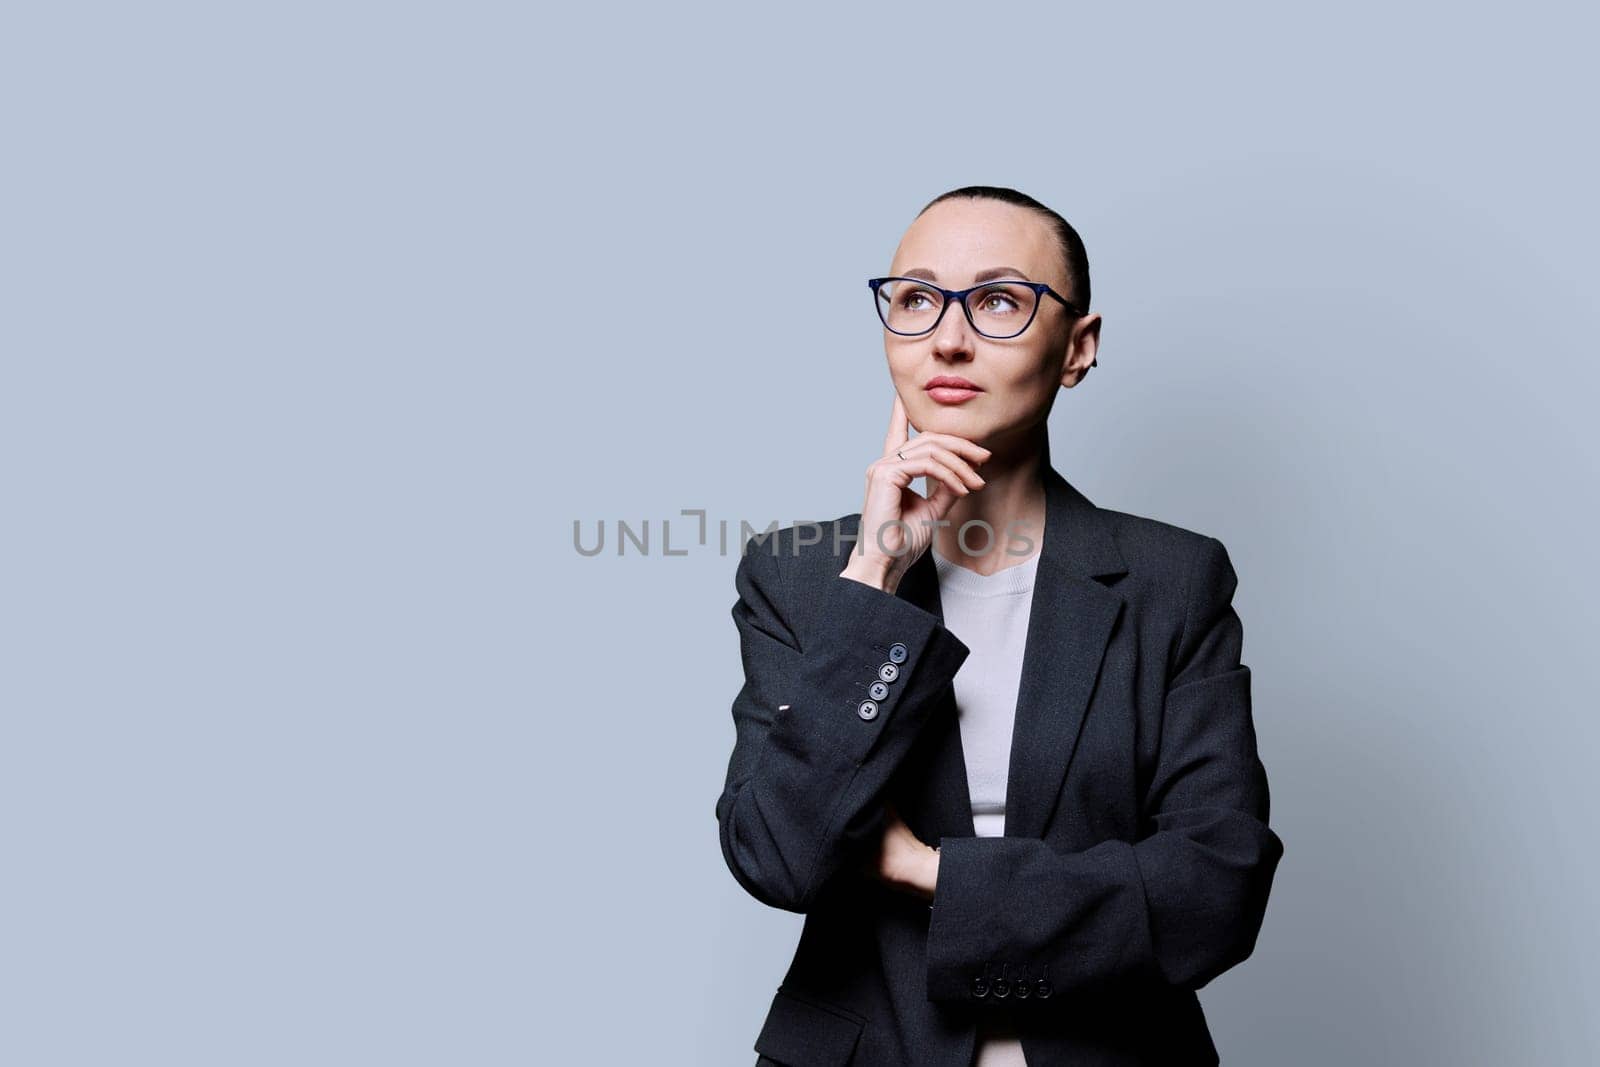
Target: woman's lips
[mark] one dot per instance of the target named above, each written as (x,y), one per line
(948,390)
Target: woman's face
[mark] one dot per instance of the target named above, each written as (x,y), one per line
(1017,378)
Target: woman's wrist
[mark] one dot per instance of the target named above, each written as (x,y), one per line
(869,571)
(930,874)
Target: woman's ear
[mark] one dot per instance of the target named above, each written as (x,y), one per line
(1082,352)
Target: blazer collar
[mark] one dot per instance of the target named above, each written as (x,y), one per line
(1069,624)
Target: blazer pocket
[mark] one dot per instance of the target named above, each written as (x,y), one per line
(804,1033)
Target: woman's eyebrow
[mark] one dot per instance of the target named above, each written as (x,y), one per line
(981,276)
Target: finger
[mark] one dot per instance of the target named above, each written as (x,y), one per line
(943,499)
(896,437)
(930,445)
(940,500)
(919,464)
(957,464)
(928,466)
(970,449)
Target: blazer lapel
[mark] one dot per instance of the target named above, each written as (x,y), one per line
(1069,625)
(1070,621)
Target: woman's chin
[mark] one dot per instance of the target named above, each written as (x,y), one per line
(952,420)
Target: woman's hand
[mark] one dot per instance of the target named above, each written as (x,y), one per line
(902,862)
(886,549)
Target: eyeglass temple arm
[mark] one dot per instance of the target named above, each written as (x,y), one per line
(1069,305)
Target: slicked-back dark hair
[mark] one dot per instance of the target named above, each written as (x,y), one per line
(1072,250)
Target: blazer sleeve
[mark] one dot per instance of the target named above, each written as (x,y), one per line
(1179,906)
(810,763)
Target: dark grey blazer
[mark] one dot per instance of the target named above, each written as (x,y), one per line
(1136,860)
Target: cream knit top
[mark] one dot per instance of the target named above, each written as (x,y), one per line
(989,613)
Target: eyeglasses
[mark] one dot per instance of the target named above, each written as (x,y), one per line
(911,307)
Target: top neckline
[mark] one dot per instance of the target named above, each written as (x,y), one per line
(1009,581)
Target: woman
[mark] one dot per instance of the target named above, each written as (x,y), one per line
(996,742)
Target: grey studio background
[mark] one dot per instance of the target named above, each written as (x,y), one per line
(323,323)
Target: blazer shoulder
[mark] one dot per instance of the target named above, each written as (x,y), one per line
(1162,553)
(1145,534)
(807,549)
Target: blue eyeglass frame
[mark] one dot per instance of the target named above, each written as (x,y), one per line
(960,295)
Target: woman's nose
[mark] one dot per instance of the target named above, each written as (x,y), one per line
(952,339)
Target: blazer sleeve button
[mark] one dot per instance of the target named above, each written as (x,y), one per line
(980,987)
(868,710)
(888,672)
(897,653)
(878,691)
(1042,988)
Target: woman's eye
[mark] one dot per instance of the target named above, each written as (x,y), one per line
(910,301)
(997,302)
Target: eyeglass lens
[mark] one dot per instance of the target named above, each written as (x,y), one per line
(1000,309)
